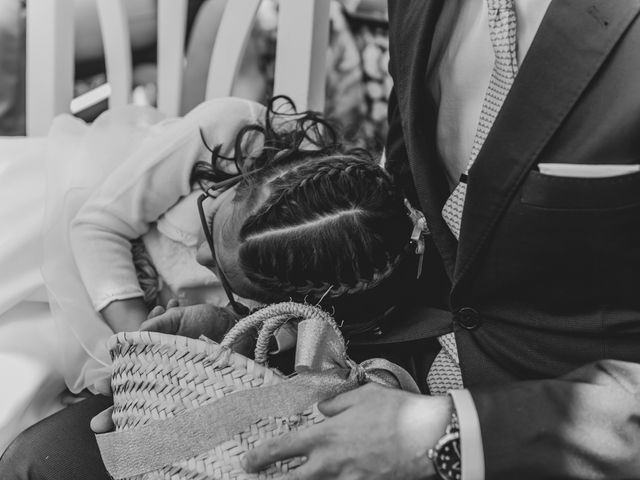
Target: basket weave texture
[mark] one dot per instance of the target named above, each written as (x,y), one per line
(157,376)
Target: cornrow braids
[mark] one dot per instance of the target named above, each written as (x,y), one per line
(313,290)
(333,226)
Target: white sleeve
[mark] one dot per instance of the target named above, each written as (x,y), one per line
(471,449)
(153,178)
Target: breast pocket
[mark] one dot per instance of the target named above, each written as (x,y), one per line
(582,194)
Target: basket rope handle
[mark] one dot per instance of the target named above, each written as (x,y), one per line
(269,319)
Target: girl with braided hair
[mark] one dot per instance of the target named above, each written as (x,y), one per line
(294,216)
(74,206)
(308,220)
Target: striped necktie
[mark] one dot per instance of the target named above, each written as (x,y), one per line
(445,372)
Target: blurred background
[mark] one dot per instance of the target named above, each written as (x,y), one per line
(357,83)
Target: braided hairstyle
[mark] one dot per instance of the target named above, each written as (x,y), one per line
(332,225)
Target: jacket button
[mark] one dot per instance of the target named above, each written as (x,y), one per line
(468,318)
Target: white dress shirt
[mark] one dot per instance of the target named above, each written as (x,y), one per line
(460,68)
(459,72)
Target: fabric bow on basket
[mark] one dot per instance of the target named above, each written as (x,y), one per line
(190,409)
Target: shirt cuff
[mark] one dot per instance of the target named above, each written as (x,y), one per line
(471,450)
(105,300)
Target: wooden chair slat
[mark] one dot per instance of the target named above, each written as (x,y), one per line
(49,62)
(303,38)
(172,27)
(117,50)
(229,46)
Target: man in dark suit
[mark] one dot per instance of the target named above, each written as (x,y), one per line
(540,279)
(542,276)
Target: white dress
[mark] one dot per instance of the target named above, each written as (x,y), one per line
(124,176)
(30,363)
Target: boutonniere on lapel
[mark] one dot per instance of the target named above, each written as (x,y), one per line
(420,231)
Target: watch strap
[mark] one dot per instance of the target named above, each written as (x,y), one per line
(445,455)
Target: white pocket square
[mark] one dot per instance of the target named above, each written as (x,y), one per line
(586,171)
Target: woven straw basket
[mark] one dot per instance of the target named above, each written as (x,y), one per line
(158,379)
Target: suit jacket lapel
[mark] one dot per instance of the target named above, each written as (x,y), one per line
(572,42)
(413,45)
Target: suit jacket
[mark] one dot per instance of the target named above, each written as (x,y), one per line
(546,274)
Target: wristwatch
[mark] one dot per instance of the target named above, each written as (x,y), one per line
(445,455)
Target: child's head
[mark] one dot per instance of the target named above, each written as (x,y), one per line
(312,220)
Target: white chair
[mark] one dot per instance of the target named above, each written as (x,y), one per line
(303,29)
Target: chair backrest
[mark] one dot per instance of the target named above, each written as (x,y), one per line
(302,39)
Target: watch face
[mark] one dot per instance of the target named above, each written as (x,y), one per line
(447,461)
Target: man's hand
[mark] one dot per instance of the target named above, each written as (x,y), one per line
(191,321)
(373,433)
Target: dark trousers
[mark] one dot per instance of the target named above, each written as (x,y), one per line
(60,447)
